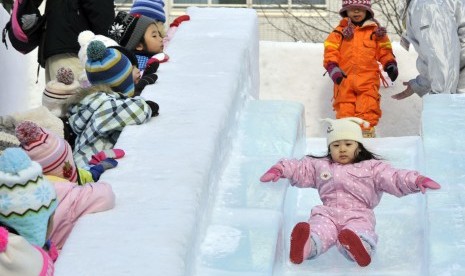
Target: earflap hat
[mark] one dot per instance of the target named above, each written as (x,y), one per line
(345,129)
(362,4)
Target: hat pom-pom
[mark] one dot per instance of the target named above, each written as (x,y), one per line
(3,239)
(85,37)
(65,75)
(96,50)
(28,132)
(365,124)
(14,160)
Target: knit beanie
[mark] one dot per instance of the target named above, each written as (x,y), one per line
(85,38)
(57,91)
(43,118)
(27,199)
(363,4)
(53,153)
(151,8)
(128,30)
(7,133)
(345,129)
(20,258)
(110,67)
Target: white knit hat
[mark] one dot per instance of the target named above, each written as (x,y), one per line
(20,258)
(345,129)
(58,91)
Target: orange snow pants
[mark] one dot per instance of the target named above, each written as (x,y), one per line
(358,96)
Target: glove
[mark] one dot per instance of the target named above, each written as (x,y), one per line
(424,183)
(391,70)
(144,81)
(179,20)
(273,174)
(151,68)
(335,73)
(154,107)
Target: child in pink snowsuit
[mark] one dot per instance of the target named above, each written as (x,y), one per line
(350,181)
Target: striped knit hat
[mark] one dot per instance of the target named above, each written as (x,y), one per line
(7,133)
(59,90)
(128,30)
(52,152)
(27,199)
(110,67)
(150,8)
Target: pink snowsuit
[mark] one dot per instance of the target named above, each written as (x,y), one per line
(349,194)
(74,201)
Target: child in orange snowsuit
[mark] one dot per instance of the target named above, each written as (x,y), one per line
(351,56)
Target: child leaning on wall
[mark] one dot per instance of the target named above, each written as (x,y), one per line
(350,181)
(27,204)
(351,56)
(98,115)
(139,34)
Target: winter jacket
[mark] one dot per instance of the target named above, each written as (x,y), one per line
(66,19)
(436,28)
(74,201)
(98,119)
(358,57)
(349,194)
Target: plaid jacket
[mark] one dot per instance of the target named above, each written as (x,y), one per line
(98,120)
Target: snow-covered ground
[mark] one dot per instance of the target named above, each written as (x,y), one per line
(188,197)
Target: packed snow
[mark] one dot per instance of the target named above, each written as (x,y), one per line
(189,201)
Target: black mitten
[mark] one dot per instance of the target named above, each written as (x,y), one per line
(392,71)
(144,81)
(151,68)
(154,106)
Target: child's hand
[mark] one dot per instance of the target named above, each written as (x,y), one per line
(273,174)
(391,70)
(424,183)
(335,73)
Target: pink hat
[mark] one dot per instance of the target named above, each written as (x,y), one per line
(363,4)
(53,153)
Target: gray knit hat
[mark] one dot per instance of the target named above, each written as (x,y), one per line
(7,133)
(128,30)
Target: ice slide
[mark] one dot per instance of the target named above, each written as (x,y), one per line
(188,197)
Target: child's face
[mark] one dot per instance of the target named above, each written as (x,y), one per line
(135,74)
(343,151)
(153,40)
(356,14)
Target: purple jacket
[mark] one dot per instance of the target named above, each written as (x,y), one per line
(359,185)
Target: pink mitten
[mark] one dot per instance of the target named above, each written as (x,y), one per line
(273,174)
(424,183)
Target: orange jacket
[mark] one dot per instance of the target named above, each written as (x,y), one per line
(360,53)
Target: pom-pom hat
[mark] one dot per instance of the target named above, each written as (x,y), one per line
(150,8)
(110,67)
(19,258)
(27,199)
(59,90)
(52,152)
(345,129)
(128,29)
(362,4)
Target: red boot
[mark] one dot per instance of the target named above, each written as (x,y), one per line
(300,243)
(353,244)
